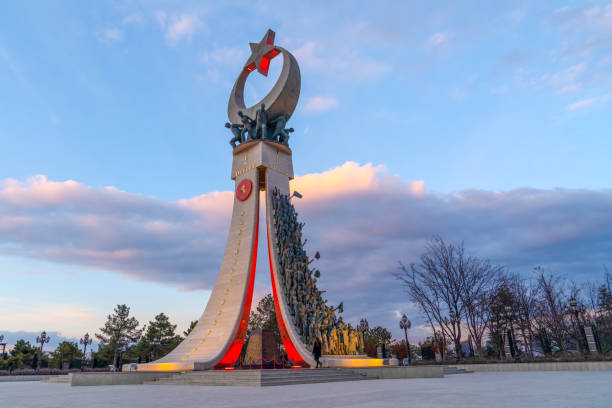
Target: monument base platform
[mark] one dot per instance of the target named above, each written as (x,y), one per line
(351,361)
(348,361)
(260,378)
(159,367)
(256,378)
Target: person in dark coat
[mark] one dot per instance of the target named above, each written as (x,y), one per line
(316,350)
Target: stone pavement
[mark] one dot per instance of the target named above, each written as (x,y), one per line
(509,389)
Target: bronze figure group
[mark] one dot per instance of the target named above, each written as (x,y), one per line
(260,128)
(311,315)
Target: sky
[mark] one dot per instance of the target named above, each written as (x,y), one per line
(487,123)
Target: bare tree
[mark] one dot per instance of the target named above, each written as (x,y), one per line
(551,307)
(449,285)
(525,296)
(477,281)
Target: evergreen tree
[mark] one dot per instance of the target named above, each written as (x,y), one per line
(159,339)
(24,353)
(192,326)
(378,335)
(264,316)
(66,352)
(119,331)
(104,356)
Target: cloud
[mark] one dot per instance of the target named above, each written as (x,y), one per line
(567,75)
(109,35)
(320,104)
(339,62)
(500,90)
(14,68)
(590,102)
(230,56)
(436,40)
(582,104)
(137,236)
(362,219)
(181,26)
(34,316)
(572,88)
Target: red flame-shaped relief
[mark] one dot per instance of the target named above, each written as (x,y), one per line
(243,190)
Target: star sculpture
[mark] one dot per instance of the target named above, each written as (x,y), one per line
(261,54)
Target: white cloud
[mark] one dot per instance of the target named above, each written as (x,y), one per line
(320,104)
(134,18)
(362,218)
(500,90)
(582,104)
(182,26)
(231,56)
(109,35)
(27,315)
(436,40)
(339,63)
(571,88)
(568,75)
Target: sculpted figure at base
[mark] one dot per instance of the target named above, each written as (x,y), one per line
(312,317)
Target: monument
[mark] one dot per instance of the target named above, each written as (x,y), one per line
(262,161)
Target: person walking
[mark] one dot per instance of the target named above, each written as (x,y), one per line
(316,350)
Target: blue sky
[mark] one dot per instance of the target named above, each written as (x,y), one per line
(495,104)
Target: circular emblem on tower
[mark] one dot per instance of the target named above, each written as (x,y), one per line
(243,190)
(283,97)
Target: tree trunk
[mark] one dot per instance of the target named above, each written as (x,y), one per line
(116,358)
(458,343)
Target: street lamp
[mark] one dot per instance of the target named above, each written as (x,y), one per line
(405,325)
(86,340)
(295,194)
(363,325)
(510,334)
(156,342)
(575,310)
(42,339)
(3,344)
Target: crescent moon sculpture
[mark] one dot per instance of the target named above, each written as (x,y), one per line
(283,97)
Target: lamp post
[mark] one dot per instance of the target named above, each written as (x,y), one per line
(154,344)
(510,335)
(574,309)
(405,325)
(3,344)
(85,341)
(42,339)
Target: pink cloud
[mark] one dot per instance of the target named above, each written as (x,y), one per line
(362,218)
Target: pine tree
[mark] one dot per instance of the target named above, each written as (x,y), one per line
(66,352)
(159,338)
(264,317)
(192,326)
(119,331)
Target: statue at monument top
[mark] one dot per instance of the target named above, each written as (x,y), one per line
(272,112)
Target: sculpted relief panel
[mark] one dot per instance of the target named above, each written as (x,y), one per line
(312,316)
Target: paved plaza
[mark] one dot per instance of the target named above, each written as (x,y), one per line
(519,389)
